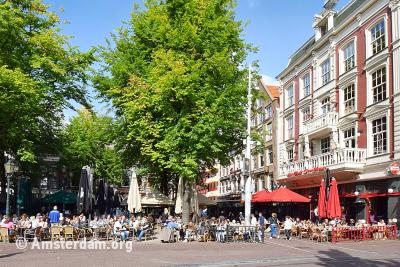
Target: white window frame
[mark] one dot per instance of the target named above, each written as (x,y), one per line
(353,99)
(326,75)
(290,130)
(345,58)
(268,132)
(325,107)
(328,148)
(304,84)
(381,132)
(384,82)
(268,111)
(290,153)
(346,139)
(270,159)
(290,97)
(368,35)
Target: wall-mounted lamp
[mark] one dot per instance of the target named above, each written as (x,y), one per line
(356,193)
(391,190)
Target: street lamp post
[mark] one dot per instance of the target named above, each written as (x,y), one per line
(9,167)
(8,195)
(247,184)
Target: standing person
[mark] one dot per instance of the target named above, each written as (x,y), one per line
(241,217)
(273,221)
(261,223)
(54,216)
(253,221)
(288,227)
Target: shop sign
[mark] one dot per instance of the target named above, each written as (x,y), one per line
(394,168)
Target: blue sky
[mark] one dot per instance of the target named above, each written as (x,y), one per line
(276,27)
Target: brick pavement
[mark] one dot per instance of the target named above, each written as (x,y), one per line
(271,253)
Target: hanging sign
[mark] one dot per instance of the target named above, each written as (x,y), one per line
(394,168)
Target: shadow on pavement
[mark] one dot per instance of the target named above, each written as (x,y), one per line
(10,255)
(335,257)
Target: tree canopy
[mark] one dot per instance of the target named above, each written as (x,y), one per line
(40,73)
(174,74)
(89,139)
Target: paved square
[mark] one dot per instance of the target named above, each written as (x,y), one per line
(271,253)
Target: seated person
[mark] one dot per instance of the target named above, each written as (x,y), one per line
(94,223)
(120,229)
(138,227)
(6,222)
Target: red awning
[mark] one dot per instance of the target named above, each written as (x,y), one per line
(279,195)
(261,196)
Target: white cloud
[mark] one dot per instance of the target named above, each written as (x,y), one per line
(269,80)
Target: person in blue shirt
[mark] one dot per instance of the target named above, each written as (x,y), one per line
(172,225)
(54,216)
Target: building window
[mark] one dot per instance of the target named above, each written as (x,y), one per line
(254,121)
(261,117)
(349,138)
(326,71)
(268,112)
(379,84)
(306,85)
(306,114)
(270,155)
(378,37)
(268,135)
(379,135)
(349,99)
(289,122)
(261,160)
(289,92)
(348,56)
(326,105)
(325,145)
(290,154)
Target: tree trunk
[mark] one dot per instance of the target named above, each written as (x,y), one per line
(186,202)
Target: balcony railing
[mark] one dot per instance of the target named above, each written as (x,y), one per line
(348,157)
(320,122)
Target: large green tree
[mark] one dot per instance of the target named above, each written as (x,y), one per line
(174,75)
(40,73)
(89,139)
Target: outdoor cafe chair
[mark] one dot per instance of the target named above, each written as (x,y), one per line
(203,237)
(302,232)
(55,232)
(69,233)
(5,235)
(37,233)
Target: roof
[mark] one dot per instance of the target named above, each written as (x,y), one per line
(341,16)
(272,90)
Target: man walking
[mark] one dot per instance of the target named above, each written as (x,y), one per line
(54,216)
(261,224)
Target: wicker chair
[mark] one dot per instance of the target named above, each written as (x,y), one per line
(31,235)
(5,235)
(55,232)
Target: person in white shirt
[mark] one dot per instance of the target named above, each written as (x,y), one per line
(253,221)
(288,227)
(119,229)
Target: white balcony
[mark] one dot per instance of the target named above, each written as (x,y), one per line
(324,122)
(352,159)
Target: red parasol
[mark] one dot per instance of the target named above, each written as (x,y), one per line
(334,210)
(261,196)
(322,200)
(286,195)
